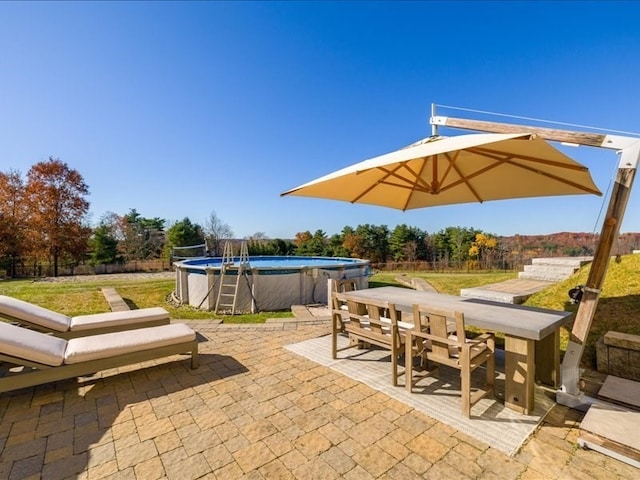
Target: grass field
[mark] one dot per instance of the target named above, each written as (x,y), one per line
(450,283)
(85,297)
(618,309)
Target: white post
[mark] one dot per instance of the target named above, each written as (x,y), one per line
(211,279)
(184,285)
(254,288)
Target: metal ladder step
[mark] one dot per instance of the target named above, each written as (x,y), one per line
(230,290)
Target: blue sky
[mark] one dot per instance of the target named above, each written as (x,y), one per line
(183,109)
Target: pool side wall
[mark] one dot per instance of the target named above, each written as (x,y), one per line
(264,289)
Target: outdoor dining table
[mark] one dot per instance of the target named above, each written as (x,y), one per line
(532,335)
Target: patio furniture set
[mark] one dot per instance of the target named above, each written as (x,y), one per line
(41,346)
(428,330)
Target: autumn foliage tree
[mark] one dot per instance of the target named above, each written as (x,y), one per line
(483,249)
(13,216)
(55,197)
(354,244)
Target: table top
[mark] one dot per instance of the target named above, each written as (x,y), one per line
(515,320)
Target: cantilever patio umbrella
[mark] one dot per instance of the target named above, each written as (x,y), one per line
(461,169)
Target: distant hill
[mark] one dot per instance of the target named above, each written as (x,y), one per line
(566,244)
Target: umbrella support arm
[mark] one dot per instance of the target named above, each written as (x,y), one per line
(613,142)
(569,393)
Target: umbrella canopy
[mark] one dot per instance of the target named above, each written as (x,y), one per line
(462,169)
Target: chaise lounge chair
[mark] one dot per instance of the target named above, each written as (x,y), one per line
(33,358)
(45,320)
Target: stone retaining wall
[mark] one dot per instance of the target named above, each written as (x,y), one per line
(619,354)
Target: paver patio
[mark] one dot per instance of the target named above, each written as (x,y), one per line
(255,410)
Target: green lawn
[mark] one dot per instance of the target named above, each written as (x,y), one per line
(450,283)
(618,309)
(85,297)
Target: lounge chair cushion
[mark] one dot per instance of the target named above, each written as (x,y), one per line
(118,343)
(112,319)
(20,310)
(33,346)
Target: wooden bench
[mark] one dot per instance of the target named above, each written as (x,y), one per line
(369,323)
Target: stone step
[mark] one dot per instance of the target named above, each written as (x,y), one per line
(555,273)
(493,296)
(537,276)
(514,291)
(575,262)
(548,275)
(553,269)
(541,273)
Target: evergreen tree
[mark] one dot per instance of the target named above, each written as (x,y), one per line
(104,246)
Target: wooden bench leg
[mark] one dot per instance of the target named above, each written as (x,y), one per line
(408,363)
(334,337)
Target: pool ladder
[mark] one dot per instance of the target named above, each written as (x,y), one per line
(228,292)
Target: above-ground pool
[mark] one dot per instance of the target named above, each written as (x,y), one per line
(266,283)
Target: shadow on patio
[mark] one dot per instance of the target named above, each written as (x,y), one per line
(60,429)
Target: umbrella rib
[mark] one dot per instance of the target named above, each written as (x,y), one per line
(463,179)
(367,190)
(452,160)
(392,173)
(524,167)
(402,185)
(381,181)
(496,155)
(559,179)
(511,160)
(418,184)
(418,180)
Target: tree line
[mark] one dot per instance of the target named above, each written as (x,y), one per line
(44,223)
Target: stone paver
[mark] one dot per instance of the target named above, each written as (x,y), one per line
(255,410)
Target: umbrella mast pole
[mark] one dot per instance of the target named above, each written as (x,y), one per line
(434,126)
(628,148)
